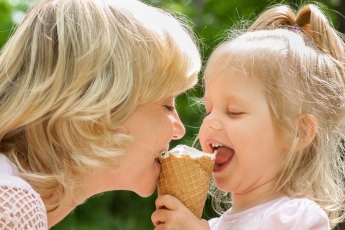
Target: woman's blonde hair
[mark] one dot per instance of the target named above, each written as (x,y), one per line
(73,71)
(299,58)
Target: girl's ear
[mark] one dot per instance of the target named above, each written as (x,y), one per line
(307,126)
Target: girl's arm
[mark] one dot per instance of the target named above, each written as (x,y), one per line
(171,214)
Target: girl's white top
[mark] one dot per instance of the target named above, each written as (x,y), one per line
(183,150)
(284,213)
(20,206)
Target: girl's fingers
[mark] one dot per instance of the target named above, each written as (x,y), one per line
(168,202)
(159,216)
(164,205)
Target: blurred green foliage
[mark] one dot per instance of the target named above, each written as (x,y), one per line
(211,18)
(5,21)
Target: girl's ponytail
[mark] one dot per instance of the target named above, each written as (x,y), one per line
(312,24)
(315,24)
(309,20)
(277,17)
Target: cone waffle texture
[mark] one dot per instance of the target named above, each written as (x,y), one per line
(187,179)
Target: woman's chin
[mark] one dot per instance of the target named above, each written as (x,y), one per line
(148,184)
(146,192)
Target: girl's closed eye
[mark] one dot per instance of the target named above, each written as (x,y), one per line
(234,113)
(231,113)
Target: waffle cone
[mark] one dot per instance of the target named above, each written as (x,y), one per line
(187,179)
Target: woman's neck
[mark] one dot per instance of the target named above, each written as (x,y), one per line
(67,205)
(254,197)
(93,183)
(69,202)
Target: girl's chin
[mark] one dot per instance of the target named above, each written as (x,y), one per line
(223,186)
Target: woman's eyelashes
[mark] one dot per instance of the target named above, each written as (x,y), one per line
(169,104)
(206,114)
(170,108)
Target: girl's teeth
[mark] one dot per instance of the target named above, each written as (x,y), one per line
(215,145)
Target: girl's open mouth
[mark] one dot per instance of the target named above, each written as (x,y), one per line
(223,158)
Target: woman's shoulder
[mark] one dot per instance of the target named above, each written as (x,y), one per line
(295,213)
(11,182)
(20,206)
(9,174)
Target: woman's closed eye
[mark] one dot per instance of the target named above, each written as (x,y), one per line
(206,114)
(169,103)
(169,108)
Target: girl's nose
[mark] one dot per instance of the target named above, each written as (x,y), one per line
(179,129)
(210,121)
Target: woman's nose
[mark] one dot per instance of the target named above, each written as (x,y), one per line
(179,129)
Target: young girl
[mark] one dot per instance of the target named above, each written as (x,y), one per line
(275,113)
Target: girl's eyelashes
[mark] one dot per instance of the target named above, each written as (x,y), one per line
(169,108)
(228,112)
(232,113)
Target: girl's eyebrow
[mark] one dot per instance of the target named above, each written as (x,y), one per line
(235,98)
(228,97)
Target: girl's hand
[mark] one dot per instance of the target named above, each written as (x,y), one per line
(171,214)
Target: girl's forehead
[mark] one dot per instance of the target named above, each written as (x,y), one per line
(231,78)
(223,69)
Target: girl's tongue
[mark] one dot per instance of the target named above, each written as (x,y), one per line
(224,154)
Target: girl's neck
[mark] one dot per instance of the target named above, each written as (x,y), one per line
(258,195)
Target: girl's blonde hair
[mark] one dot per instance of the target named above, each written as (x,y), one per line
(72,72)
(299,58)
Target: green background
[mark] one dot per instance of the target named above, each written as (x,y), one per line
(211,18)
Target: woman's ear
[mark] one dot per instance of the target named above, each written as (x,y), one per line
(307,126)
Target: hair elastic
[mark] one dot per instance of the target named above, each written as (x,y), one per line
(295,28)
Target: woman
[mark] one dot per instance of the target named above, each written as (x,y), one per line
(87,92)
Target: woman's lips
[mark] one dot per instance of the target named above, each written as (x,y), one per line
(158,165)
(223,158)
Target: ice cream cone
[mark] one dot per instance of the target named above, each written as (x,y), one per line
(186,176)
